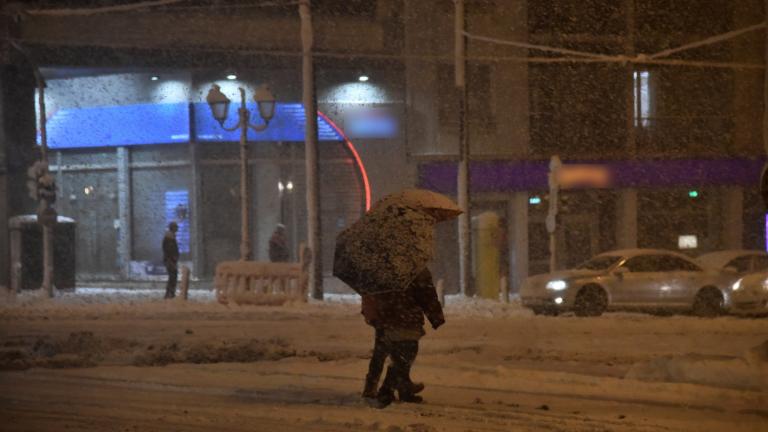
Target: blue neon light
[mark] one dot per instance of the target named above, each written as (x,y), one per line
(177,210)
(126,125)
(110,126)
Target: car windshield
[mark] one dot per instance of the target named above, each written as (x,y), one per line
(599,263)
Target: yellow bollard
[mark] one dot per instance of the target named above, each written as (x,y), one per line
(488,253)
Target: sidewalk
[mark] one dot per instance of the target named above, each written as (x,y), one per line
(205,284)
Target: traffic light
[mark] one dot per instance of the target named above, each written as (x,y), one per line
(42,188)
(41,184)
(46,186)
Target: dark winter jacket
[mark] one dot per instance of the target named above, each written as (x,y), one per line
(278,247)
(170,250)
(401,313)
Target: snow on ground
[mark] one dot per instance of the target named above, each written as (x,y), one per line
(127,360)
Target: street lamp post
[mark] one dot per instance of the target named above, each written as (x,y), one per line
(219,104)
(43,187)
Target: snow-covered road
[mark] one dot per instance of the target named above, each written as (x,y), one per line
(125,362)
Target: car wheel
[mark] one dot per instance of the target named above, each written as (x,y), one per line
(590,301)
(708,302)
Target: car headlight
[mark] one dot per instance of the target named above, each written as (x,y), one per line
(557,285)
(736,285)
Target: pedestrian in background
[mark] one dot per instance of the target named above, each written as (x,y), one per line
(278,245)
(171,259)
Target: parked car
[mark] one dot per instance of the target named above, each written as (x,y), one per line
(631,279)
(737,262)
(746,271)
(749,294)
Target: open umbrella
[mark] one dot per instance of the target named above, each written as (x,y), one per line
(390,245)
(438,205)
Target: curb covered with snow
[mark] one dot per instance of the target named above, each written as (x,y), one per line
(748,372)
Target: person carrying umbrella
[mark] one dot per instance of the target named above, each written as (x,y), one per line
(398,317)
(383,256)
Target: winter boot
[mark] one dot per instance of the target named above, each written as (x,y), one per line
(416,387)
(385,397)
(369,391)
(411,398)
(407,392)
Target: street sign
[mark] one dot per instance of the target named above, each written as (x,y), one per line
(574,176)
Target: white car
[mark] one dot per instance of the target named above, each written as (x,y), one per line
(630,279)
(748,270)
(749,294)
(738,262)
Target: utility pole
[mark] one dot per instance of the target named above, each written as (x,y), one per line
(460,71)
(554,201)
(48,206)
(764,175)
(314,239)
(45,186)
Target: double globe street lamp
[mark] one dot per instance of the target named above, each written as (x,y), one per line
(219,104)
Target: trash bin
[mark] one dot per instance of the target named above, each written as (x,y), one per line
(27,253)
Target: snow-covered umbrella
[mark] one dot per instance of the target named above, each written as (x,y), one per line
(437,205)
(390,245)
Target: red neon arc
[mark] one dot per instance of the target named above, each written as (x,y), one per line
(358,161)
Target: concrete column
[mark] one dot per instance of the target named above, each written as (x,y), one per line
(732,217)
(124,211)
(422,125)
(626,219)
(17,148)
(517,236)
(629,50)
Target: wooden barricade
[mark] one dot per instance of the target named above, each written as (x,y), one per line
(258,282)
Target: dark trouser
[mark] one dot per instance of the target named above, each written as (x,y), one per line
(403,354)
(170,286)
(376,365)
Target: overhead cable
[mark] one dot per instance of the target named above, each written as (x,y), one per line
(708,41)
(639,58)
(101,10)
(397,56)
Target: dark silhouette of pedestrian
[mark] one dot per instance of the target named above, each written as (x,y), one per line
(278,245)
(398,317)
(171,259)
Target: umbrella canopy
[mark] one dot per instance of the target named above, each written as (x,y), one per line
(437,205)
(385,250)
